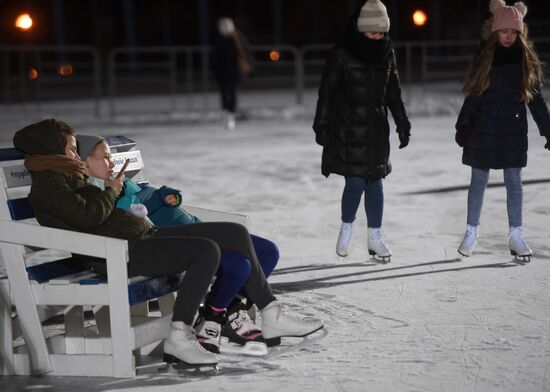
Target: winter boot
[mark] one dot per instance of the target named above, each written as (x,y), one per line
(277,323)
(344,238)
(208,327)
(377,247)
(182,345)
(469,241)
(518,246)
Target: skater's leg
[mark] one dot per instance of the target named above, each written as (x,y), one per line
(198,257)
(374,203)
(476,191)
(235,238)
(351,197)
(267,252)
(233,273)
(514,201)
(514,195)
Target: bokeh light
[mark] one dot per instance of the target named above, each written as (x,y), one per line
(419,18)
(23,22)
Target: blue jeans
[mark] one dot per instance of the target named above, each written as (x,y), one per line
(514,195)
(234,271)
(374,200)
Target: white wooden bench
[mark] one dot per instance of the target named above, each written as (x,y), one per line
(125,331)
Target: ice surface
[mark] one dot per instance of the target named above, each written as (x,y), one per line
(424,322)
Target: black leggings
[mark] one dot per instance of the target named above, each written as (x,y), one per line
(196,250)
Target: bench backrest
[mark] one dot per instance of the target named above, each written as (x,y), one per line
(16,180)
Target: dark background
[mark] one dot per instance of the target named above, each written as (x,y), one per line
(105,24)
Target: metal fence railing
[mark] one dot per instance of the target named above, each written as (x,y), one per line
(37,73)
(181,74)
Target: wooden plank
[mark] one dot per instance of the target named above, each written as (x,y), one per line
(25,304)
(6,328)
(119,308)
(47,237)
(74,331)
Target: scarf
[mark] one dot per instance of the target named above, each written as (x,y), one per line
(58,163)
(510,55)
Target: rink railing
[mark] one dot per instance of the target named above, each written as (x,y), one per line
(26,72)
(180,78)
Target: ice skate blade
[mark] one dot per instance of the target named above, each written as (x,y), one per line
(254,349)
(173,361)
(306,340)
(521,259)
(277,340)
(379,259)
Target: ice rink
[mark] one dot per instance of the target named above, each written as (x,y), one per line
(425,322)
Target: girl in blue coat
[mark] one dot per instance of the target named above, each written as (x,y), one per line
(163,207)
(505,75)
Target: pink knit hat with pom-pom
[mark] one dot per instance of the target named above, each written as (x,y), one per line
(507,17)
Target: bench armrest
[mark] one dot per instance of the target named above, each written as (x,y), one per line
(49,238)
(207,215)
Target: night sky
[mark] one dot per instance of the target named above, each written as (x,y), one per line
(106,24)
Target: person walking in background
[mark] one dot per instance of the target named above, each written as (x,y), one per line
(231,61)
(360,82)
(491,128)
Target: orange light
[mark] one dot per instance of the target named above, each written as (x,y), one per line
(23,22)
(419,18)
(274,55)
(65,70)
(33,74)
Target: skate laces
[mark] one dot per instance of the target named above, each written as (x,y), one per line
(376,234)
(242,325)
(516,233)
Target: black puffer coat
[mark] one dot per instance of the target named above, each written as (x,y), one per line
(495,122)
(359,84)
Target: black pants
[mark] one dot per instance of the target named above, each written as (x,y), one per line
(196,250)
(228,91)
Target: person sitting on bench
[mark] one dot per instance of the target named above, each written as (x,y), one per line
(163,208)
(61,198)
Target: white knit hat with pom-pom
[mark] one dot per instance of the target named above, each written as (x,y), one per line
(507,17)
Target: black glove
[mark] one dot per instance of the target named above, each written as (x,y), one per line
(404,138)
(461,137)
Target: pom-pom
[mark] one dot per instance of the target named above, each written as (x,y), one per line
(494,5)
(521,7)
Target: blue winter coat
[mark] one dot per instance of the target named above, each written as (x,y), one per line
(161,213)
(496,121)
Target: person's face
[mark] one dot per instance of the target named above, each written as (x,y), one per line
(507,37)
(374,35)
(70,147)
(99,163)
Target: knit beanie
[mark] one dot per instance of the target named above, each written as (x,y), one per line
(373,18)
(226,27)
(86,144)
(507,17)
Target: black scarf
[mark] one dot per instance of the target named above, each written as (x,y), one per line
(369,50)
(510,55)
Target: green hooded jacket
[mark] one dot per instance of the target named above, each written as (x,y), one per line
(66,202)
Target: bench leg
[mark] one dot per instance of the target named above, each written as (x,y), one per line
(26,309)
(6,335)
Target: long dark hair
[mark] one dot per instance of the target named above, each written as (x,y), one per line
(478,78)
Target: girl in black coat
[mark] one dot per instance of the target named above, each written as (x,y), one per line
(359,84)
(492,124)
